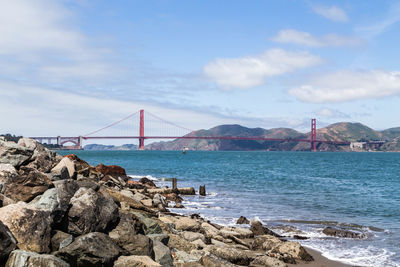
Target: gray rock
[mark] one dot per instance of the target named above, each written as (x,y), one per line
(60,240)
(91,211)
(7,242)
(93,249)
(159,201)
(163,238)
(29,225)
(19,258)
(51,201)
(162,254)
(59,174)
(342,233)
(125,236)
(11,153)
(42,159)
(183,256)
(151,226)
(138,197)
(214,261)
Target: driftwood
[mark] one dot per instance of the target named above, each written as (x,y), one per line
(182,191)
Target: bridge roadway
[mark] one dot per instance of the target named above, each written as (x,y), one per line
(253,138)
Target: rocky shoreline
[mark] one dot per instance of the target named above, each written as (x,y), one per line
(61,211)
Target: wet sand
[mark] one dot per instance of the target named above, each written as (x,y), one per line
(319,261)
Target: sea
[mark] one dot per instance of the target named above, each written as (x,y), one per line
(292,193)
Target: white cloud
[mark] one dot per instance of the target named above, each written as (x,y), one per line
(252,71)
(379,27)
(305,38)
(348,85)
(331,12)
(330,113)
(38,42)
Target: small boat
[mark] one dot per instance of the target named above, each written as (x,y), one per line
(184,149)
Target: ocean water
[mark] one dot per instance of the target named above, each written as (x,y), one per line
(291,192)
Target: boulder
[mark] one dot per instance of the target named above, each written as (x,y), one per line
(138,197)
(173,197)
(293,250)
(42,159)
(184,257)
(232,255)
(59,174)
(25,258)
(16,155)
(186,224)
(7,242)
(7,168)
(29,225)
(4,201)
(211,260)
(147,182)
(135,261)
(51,201)
(192,236)
(209,229)
(258,229)
(118,198)
(112,170)
(81,166)
(91,211)
(27,185)
(150,225)
(342,233)
(242,220)
(163,238)
(60,240)
(267,261)
(179,243)
(125,236)
(162,254)
(93,249)
(160,202)
(69,164)
(88,183)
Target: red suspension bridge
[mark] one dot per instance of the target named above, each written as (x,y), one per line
(155,127)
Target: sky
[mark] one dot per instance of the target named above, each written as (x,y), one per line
(69,67)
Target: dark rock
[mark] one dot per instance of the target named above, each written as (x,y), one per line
(60,240)
(202,190)
(125,236)
(27,185)
(298,237)
(59,174)
(93,249)
(162,254)
(150,226)
(135,185)
(163,238)
(29,225)
(26,258)
(179,206)
(214,261)
(42,159)
(149,183)
(7,242)
(242,220)
(91,211)
(112,170)
(173,197)
(88,183)
(258,229)
(342,233)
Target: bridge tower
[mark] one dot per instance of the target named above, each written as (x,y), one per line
(141,130)
(313,140)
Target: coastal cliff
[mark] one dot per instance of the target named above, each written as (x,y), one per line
(61,211)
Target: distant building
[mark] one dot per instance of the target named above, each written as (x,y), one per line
(357,145)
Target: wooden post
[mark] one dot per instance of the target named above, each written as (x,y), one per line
(202,190)
(174,183)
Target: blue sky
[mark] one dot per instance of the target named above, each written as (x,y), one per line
(70,67)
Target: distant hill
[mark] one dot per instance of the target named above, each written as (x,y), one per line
(110,147)
(342,131)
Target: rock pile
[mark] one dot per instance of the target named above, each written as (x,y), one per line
(60,211)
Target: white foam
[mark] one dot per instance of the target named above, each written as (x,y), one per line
(144,176)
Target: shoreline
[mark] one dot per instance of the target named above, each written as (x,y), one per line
(71,213)
(320,261)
